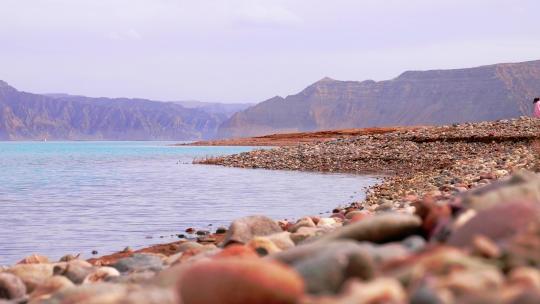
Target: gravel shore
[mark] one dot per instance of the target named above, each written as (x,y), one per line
(437,160)
(456,219)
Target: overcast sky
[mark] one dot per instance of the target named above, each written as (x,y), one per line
(249,50)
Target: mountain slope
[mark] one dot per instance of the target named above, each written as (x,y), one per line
(414,98)
(227,109)
(35,117)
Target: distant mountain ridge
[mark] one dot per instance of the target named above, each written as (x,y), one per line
(228,109)
(413,98)
(26,116)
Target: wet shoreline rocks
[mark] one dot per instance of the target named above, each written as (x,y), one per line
(458,221)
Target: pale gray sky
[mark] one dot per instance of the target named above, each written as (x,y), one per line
(249,50)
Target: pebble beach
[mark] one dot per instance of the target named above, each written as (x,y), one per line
(455,219)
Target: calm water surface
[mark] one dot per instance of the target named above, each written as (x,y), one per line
(75,197)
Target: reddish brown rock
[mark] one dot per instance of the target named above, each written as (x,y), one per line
(432,214)
(234,280)
(237,250)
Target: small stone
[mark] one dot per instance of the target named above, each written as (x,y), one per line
(206,239)
(101,274)
(202,232)
(282,240)
(69,257)
(11,286)
(329,222)
(385,205)
(187,246)
(500,173)
(244,229)
(352,214)
(139,262)
(263,245)
(221,230)
(237,250)
(75,270)
(305,233)
(34,259)
(142,277)
(303,222)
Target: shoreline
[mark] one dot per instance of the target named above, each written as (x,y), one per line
(291,139)
(458,209)
(403,155)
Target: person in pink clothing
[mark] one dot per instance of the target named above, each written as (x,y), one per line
(536,143)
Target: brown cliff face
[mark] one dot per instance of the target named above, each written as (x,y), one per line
(414,98)
(37,117)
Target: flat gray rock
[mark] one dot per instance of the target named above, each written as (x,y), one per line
(138,263)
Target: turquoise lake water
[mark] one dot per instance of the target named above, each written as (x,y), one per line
(75,197)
